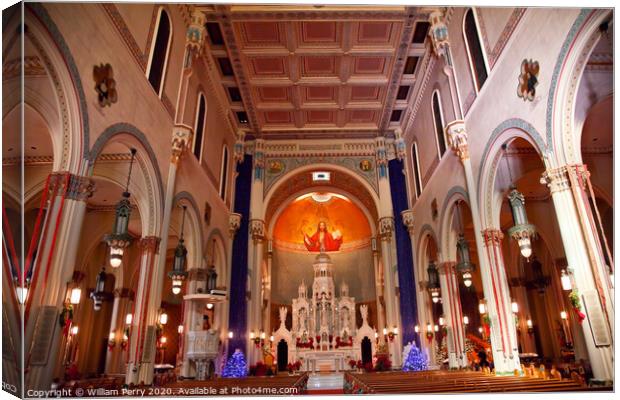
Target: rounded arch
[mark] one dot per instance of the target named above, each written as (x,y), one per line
(152,201)
(468,50)
(447,246)
(581,39)
(69,106)
(158,80)
(505,132)
(195,227)
(360,186)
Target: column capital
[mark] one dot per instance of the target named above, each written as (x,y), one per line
(492,237)
(149,244)
(181,140)
(381,158)
(408,220)
(257,229)
(259,159)
(386,227)
(457,139)
(446,267)
(73,187)
(239,149)
(559,179)
(234,222)
(399,144)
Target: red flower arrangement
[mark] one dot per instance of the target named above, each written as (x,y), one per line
(576,303)
(305,345)
(429,335)
(352,363)
(340,343)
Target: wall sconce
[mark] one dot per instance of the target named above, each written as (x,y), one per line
(563,315)
(417,329)
(76,294)
(565,277)
(128,319)
(230,334)
(442,321)
(162,341)
(111,341)
(436,328)
(482,307)
(530,326)
(163,317)
(125,341)
(209,306)
(376,336)
(74,330)
(480,329)
(384,331)
(514,306)
(466,320)
(180,329)
(271,339)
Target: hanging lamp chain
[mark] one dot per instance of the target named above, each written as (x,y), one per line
(133,155)
(505,149)
(183,221)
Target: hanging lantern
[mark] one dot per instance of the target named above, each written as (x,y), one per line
(178,273)
(465,266)
(119,239)
(99,293)
(433,282)
(522,231)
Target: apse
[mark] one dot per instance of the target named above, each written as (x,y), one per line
(345,221)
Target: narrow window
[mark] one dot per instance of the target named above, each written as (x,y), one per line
(416,170)
(159,52)
(438,121)
(224,173)
(474,49)
(200,126)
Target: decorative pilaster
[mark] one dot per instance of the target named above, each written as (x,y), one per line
(400,147)
(239,149)
(259,159)
(457,139)
(381,157)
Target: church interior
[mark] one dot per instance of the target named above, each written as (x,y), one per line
(352,199)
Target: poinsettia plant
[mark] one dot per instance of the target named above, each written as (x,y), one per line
(576,303)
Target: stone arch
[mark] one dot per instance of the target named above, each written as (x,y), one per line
(67,82)
(562,137)
(193,222)
(151,201)
(505,132)
(448,239)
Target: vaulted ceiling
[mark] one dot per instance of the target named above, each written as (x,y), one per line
(316,72)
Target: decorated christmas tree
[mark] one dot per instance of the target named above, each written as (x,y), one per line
(236,367)
(416,360)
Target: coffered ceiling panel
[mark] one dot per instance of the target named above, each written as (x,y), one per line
(311,70)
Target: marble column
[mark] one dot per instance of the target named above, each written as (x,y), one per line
(408,218)
(453,314)
(494,284)
(53,268)
(502,321)
(591,287)
(142,337)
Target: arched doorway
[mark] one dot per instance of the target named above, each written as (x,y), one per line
(282,355)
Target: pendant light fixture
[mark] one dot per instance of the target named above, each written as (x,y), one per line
(522,231)
(178,273)
(211,273)
(119,239)
(433,281)
(465,267)
(99,293)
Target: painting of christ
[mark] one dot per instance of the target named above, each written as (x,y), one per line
(323,240)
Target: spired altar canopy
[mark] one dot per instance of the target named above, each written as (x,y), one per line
(323,240)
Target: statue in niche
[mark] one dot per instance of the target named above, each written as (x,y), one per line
(323,240)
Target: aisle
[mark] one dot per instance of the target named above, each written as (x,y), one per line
(330,383)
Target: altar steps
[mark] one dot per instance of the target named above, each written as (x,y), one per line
(326,384)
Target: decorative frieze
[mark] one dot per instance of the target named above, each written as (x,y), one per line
(457,139)
(181,140)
